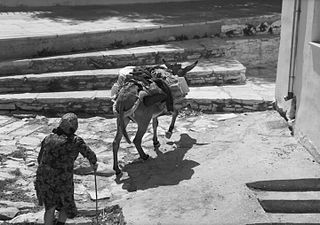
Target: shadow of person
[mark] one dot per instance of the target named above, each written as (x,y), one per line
(168,168)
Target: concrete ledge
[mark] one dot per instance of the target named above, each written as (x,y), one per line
(259,49)
(208,72)
(27,47)
(39,3)
(207,99)
(65,41)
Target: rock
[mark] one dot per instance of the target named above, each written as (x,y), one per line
(31,164)
(108,140)
(19,205)
(27,172)
(23,116)
(171,38)
(14,163)
(15,159)
(29,141)
(8,192)
(79,221)
(87,209)
(6,149)
(79,190)
(263,27)
(276,24)
(32,218)
(104,170)
(8,213)
(102,194)
(200,123)
(11,127)
(85,169)
(232,29)
(6,176)
(105,173)
(225,116)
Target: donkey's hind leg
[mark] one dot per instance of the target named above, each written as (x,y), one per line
(116,145)
(173,121)
(155,123)
(142,128)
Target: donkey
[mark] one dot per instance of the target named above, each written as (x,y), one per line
(129,106)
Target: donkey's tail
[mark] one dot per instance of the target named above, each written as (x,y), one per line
(121,123)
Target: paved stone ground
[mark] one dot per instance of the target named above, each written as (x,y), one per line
(196,177)
(22,22)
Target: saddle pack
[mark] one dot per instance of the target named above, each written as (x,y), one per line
(155,84)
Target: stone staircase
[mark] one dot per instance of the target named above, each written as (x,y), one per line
(81,82)
(294,199)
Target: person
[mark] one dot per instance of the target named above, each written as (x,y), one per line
(54,177)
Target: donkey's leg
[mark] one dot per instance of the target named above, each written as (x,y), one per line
(155,123)
(173,121)
(142,128)
(116,145)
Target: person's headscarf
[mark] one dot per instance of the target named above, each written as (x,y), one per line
(68,123)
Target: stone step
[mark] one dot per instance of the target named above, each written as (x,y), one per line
(207,72)
(257,49)
(245,98)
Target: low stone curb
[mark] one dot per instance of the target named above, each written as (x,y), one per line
(244,98)
(209,72)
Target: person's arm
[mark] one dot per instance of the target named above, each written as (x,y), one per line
(87,153)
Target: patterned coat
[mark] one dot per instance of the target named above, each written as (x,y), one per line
(54,181)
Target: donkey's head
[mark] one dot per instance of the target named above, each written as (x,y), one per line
(177,69)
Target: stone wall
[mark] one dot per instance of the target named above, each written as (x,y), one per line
(102,106)
(207,72)
(253,51)
(92,105)
(227,105)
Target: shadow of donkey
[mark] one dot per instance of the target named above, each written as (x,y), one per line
(168,168)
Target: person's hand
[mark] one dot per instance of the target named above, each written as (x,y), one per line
(94,166)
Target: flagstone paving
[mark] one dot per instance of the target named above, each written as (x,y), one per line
(196,177)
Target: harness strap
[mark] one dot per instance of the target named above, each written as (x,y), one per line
(129,112)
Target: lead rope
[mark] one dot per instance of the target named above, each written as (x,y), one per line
(96,189)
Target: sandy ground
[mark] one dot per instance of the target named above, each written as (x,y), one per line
(199,176)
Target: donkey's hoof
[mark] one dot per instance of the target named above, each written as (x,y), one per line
(168,134)
(145,157)
(118,172)
(156,144)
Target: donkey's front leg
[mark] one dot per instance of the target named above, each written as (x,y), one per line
(116,145)
(173,121)
(142,128)
(155,123)
(115,148)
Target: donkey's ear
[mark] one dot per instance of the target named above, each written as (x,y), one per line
(168,65)
(190,67)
